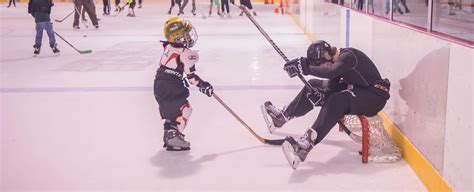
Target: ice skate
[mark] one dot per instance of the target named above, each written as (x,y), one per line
(296,151)
(278,117)
(174,141)
(36,52)
(55,50)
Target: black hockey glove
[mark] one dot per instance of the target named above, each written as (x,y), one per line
(185,82)
(296,67)
(316,98)
(206,88)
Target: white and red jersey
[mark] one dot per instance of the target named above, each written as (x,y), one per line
(179,59)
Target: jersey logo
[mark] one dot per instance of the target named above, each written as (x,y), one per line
(192,57)
(173,56)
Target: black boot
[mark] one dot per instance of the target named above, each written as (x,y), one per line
(174,141)
(296,150)
(278,116)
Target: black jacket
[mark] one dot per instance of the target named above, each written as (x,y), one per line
(40,9)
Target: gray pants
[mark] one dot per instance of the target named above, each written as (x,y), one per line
(89,7)
(185,2)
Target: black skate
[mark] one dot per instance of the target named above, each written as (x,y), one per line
(36,52)
(296,151)
(55,50)
(278,116)
(174,141)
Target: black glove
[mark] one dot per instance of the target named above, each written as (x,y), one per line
(206,88)
(316,98)
(185,82)
(296,67)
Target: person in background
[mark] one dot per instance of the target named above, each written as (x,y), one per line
(10,3)
(106,8)
(41,10)
(247,4)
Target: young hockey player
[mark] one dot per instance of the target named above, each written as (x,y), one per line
(177,67)
(131,8)
(41,10)
(353,85)
(214,3)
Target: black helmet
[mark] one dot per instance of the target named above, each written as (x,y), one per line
(316,51)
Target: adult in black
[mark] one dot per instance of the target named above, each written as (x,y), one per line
(352,85)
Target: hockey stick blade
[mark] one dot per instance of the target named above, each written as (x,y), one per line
(85,51)
(274,141)
(354,137)
(79,51)
(61,20)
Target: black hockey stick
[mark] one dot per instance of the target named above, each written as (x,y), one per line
(61,20)
(244,9)
(354,137)
(277,49)
(259,138)
(81,52)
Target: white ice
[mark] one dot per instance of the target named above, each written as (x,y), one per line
(90,122)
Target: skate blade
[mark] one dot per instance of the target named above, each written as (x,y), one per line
(169,148)
(292,159)
(265,115)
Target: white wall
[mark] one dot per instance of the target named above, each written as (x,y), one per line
(431,93)
(458,146)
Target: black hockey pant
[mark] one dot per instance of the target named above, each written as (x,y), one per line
(339,102)
(171,96)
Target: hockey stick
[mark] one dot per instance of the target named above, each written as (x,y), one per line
(259,138)
(120,9)
(81,52)
(354,137)
(200,10)
(277,49)
(61,20)
(244,9)
(81,16)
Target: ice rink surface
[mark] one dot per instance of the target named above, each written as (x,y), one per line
(90,122)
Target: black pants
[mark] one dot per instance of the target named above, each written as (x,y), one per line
(10,3)
(339,102)
(225,4)
(171,96)
(246,3)
(185,2)
(132,4)
(89,7)
(117,3)
(173,2)
(106,6)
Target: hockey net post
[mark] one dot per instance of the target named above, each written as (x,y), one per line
(377,146)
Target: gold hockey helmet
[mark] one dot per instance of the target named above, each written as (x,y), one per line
(180,31)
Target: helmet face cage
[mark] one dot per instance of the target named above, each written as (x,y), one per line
(180,31)
(316,52)
(190,38)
